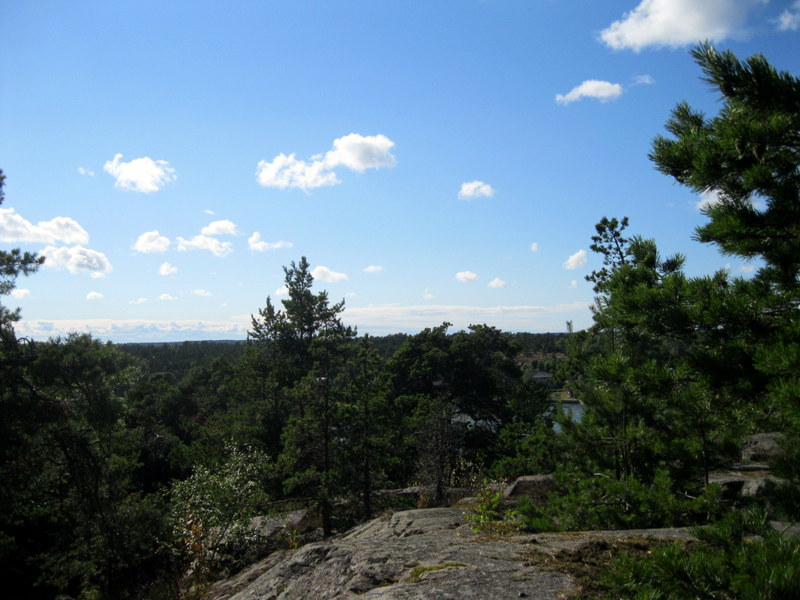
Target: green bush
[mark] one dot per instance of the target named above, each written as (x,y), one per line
(601,502)
(739,557)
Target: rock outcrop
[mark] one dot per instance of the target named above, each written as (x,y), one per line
(426,553)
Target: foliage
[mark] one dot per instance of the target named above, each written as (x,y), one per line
(739,557)
(213,506)
(602,502)
(488,514)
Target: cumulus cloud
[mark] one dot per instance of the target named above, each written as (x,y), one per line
(535,247)
(575,260)
(282,291)
(677,23)
(373,269)
(15,228)
(592,88)
(325,274)
(497,283)
(466,276)
(205,242)
(355,152)
(167,269)
(789,19)
(258,245)
(204,293)
(167,297)
(151,241)
(20,293)
(94,296)
(139,175)
(475,189)
(223,227)
(77,259)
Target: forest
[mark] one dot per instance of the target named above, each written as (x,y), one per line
(128,470)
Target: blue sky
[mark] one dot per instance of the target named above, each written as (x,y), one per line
(442,160)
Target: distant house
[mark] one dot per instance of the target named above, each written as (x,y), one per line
(541,377)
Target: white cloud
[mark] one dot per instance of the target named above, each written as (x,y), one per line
(747,268)
(204,293)
(140,175)
(138,301)
(497,283)
(789,20)
(575,260)
(94,296)
(353,151)
(475,189)
(15,228)
(573,284)
(208,211)
(204,242)
(380,319)
(427,295)
(20,293)
(167,269)
(372,269)
(325,274)
(466,276)
(535,247)
(707,199)
(86,172)
(223,227)
(359,152)
(77,259)
(677,23)
(592,88)
(167,297)
(644,80)
(151,241)
(282,291)
(258,245)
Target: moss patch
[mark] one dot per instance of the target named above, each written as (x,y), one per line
(419,570)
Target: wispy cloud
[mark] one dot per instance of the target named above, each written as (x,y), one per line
(167,297)
(204,293)
(15,228)
(497,283)
(676,23)
(789,19)
(140,174)
(94,296)
(355,152)
(20,293)
(535,247)
(576,260)
(373,269)
(592,88)
(475,189)
(256,244)
(85,172)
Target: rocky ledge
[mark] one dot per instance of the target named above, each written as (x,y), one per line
(416,554)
